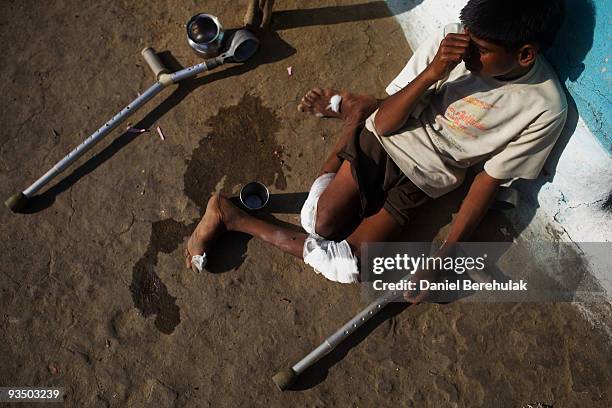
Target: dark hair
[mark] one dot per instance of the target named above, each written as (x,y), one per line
(513,23)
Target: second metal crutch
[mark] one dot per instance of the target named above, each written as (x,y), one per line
(284,378)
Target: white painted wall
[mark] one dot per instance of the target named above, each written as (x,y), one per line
(424,16)
(571,204)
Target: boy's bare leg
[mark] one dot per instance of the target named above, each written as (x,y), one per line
(354,109)
(333,162)
(380,227)
(221,215)
(337,215)
(338,206)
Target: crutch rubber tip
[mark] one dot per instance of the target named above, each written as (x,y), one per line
(284,378)
(16,202)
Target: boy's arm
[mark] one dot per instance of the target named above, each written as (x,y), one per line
(396,109)
(478,200)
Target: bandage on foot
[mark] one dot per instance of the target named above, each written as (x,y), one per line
(322,103)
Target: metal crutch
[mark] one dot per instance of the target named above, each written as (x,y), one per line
(284,378)
(242,47)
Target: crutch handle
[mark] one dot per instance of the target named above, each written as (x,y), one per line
(154,62)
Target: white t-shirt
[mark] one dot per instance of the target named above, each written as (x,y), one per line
(467,119)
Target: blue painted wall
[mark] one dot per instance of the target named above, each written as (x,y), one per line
(582,55)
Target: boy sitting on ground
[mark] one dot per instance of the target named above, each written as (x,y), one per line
(481,93)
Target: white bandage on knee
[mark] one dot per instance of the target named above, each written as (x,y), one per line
(334,260)
(308,215)
(334,105)
(199,261)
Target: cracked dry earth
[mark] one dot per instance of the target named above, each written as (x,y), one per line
(93,294)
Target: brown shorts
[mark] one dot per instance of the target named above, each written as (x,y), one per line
(381,183)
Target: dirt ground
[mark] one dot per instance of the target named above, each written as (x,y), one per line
(94,296)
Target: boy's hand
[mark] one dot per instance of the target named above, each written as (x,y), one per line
(420,296)
(431,275)
(450,53)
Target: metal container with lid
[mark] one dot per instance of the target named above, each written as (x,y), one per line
(205,35)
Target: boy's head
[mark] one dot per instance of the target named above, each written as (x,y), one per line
(507,35)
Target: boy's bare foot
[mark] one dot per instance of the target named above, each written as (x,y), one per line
(219,217)
(353,108)
(316,102)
